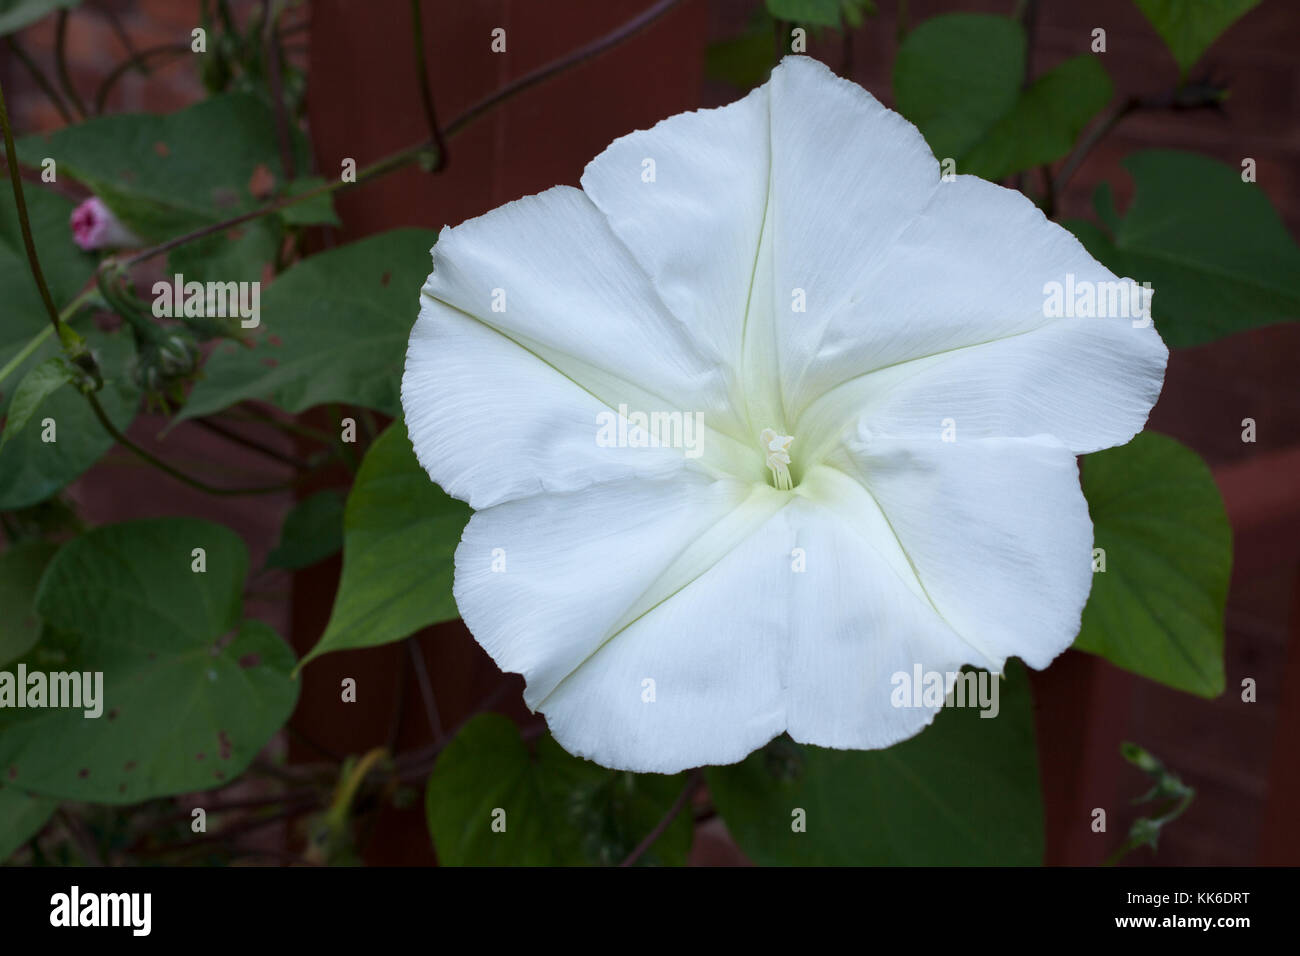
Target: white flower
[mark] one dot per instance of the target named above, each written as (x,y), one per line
(669,611)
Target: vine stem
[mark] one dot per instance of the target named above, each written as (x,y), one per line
(35,342)
(138,59)
(152,459)
(1195,96)
(426,688)
(426,87)
(24,221)
(385,165)
(693,782)
(61,64)
(84,842)
(612,39)
(271,45)
(411,153)
(39,77)
(252,443)
(1094,136)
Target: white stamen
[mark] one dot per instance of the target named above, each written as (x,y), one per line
(777,449)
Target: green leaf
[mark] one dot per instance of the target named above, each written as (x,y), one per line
(1188,27)
(400,531)
(310,212)
(312,532)
(334,329)
(1157,609)
(16,14)
(957,75)
(168,174)
(39,383)
(1044,123)
(240,254)
(557,809)
(962,792)
(743,61)
(31,469)
(190,692)
(822,13)
(1212,247)
(959,78)
(66,268)
(22,816)
(20,571)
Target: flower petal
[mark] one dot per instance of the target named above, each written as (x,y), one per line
(848,177)
(968,337)
(503,404)
(589,578)
(697,586)
(694,217)
(997,531)
(715,652)
(859,616)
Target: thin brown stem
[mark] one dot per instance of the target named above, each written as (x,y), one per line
(1091,139)
(426,688)
(694,780)
(271,48)
(581,55)
(411,153)
(426,86)
(162,466)
(24,221)
(252,443)
(115,23)
(240,829)
(417,763)
(1194,96)
(138,60)
(61,64)
(81,837)
(39,77)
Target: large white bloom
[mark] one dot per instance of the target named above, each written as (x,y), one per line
(673,281)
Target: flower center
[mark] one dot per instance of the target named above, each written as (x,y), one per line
(777,450)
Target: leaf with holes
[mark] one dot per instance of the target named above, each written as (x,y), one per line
(31,468)
(64,438)
(334,329)
(190,692)
(166,174)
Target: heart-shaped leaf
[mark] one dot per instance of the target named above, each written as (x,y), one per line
(189,692)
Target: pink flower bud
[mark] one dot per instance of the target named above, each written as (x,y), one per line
(95,227)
